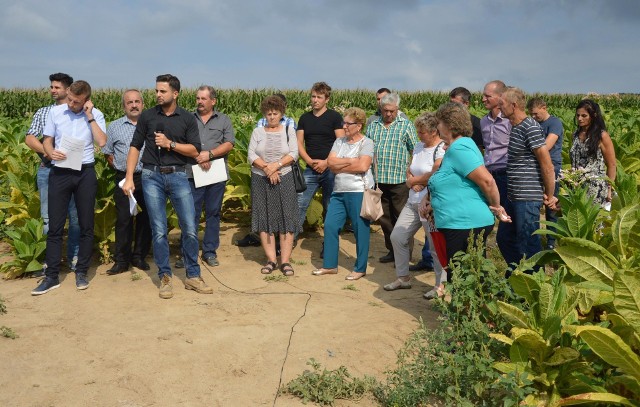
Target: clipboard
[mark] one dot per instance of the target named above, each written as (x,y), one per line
(216,173)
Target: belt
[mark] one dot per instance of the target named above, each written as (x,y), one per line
(167,169)
(501,171)
(89,165)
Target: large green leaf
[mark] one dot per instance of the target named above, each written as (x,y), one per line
(627,298)
(514,315)
(587,259)
(611,348)
(593,398)
(561,356)
(525,286)
(622,227)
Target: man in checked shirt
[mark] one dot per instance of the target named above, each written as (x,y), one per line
(119,135)
(60,82)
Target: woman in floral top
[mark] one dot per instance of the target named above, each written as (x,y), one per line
(592,151)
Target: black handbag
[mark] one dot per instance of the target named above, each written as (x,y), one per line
(298,178)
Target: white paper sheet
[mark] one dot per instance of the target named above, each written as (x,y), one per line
(73,149)
(133,204)
(216,173)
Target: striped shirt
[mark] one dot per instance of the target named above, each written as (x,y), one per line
(119,135)
(393,147)
(286,121)
(524,178)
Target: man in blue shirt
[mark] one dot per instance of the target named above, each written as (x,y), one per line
(553,131)
(74,125)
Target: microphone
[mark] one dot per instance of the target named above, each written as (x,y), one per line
(159,129)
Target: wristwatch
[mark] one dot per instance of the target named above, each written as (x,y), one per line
(210,155)
(172,145)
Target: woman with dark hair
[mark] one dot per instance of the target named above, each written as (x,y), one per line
(271,152)
(592,151)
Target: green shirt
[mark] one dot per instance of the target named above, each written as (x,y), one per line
(393,147)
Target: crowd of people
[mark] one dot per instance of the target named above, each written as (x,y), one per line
(448,172)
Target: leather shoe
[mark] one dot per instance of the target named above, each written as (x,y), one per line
(249,240)
(421,266)
(388,258)
(141,264)
(117,269)
(211,261)
(179,263)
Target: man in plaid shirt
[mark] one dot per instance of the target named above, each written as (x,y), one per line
(58,89)
(394,138)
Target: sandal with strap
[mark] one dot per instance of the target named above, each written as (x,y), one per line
(286,269)
(268,268)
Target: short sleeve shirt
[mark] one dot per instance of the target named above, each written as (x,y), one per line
(422,163)
(554,125)
(352,182)
(524,178)
(393,148)
(458,202)
(319,132)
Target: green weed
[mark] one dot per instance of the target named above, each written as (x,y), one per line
(8,332)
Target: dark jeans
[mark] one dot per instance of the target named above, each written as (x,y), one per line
(314,181)
(394,197)
(456,240)
(63,184)
(552,216)
(125,233)
(211,197)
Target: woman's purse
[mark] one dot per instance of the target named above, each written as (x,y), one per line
(371,208)
(298,178)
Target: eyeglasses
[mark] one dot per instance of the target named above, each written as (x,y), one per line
(348,124)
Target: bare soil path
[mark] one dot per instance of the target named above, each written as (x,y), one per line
(118,344)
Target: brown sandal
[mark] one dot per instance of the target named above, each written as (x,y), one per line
(268,268)
(286,269)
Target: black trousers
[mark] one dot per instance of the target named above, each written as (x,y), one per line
(394,197)
(456,240)
(83,185)
(129,229)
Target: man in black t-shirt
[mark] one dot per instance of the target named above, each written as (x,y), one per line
(317,130)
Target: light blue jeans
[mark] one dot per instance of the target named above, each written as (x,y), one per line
(157,187)
(73,240)
(314,181)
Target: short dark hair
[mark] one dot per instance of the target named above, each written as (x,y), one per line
(322,88)
(281,96)
(63,78)
(173,81)
(272,102)
(464,94)
(383,90)
(80,87)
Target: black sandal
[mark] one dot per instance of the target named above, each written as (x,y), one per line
(286,269)
(268,268)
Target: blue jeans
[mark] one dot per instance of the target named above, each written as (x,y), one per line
(552,216)
(427,258)
(73,239)
(314,181)
(525,219)
(341,205)
(211,196)
(157,187)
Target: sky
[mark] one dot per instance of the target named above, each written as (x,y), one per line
(548,46)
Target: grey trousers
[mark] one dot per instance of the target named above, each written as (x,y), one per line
(407,225)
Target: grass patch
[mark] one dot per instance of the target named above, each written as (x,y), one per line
(276,278)
(374,304)
(8,332)
(136,276)
(3,308)
(350,287)
(324,386)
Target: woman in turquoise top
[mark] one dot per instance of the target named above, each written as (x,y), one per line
(463,194)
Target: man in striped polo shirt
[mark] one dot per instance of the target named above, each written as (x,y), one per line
(530,178)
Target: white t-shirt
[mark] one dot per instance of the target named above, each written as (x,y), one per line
(352,182)
(422,163)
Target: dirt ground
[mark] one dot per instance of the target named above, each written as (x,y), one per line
(118,344)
